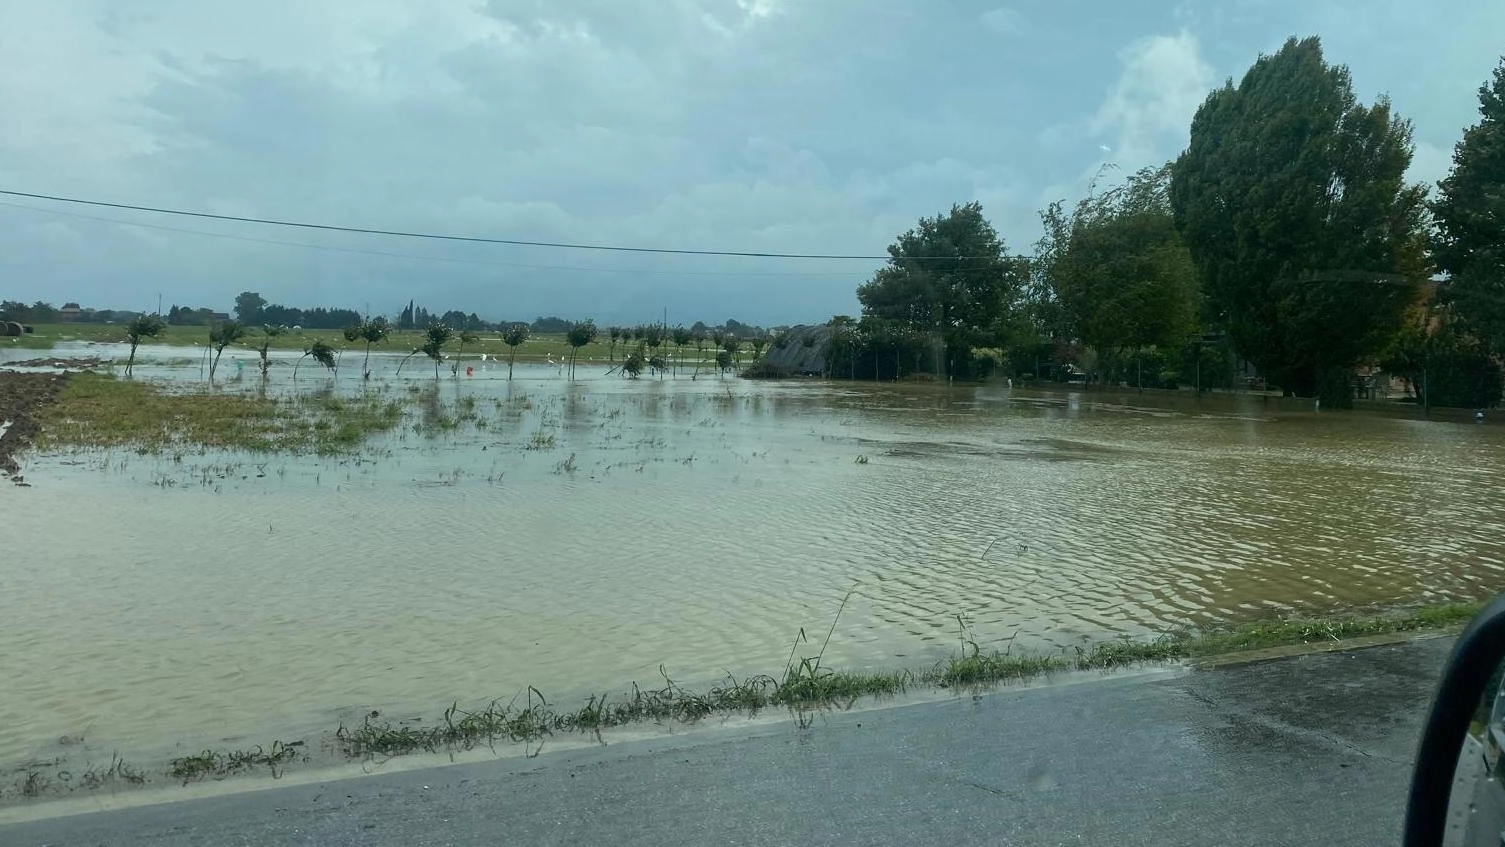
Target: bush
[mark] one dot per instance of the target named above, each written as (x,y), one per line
(764,369)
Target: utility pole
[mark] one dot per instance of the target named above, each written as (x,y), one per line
(1426,404)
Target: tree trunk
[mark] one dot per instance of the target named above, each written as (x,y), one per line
(1334,388)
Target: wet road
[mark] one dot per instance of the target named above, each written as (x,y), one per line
(1309,750)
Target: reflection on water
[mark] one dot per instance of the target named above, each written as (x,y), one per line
(576,536)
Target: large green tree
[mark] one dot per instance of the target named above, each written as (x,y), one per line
(949,277)
(1119,270)
(248,307)
(1291,197)
(1469,243)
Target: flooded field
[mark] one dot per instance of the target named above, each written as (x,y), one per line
(577,535)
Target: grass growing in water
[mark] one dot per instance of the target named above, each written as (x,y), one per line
(807,685)
(98,410)
(212,763)
(805,688)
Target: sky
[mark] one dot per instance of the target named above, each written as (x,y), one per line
(791,126)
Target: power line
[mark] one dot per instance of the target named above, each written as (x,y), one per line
(465,238)
(417,256)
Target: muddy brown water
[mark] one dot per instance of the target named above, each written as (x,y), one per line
(577,536)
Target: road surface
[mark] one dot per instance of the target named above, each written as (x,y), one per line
(1300,751)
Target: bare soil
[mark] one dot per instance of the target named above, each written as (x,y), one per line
(59,362)
(22,395)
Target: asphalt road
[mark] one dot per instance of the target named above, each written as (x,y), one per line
(1301,751)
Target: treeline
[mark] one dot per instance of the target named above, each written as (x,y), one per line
(251,309)
(1284,247)
(42,312)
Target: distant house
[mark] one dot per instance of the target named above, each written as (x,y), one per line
(69,313)
(219,316)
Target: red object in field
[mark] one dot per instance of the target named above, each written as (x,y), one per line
(470,371)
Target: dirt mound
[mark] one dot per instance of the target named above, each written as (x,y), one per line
(21,396)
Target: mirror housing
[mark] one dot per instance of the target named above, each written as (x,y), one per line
(1476,656)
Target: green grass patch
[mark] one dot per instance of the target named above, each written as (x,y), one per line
(100,410)
(29,342)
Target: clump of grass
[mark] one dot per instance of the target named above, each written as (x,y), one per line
(806,687)
(536,719)
(35,784)
(974,667)
(97,410)
(987,669)
(541,441)
(117,771)
(218,765)
(1286,631)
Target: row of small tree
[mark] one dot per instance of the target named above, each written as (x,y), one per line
(652,340)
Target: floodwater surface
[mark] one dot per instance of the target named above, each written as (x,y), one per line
(580,535)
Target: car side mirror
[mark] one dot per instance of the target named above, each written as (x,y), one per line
(1457,791)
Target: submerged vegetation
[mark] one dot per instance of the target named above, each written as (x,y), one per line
(807,685)
(806,688)
(320,352)
(98,410)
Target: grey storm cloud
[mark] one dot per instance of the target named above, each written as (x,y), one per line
(757,125)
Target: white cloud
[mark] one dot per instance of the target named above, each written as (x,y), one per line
(1149,108)
(735,124)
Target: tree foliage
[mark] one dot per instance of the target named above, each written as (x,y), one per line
(950,277)
(435,336)
(1118,269)
(1469,244)
(248,307)
(1292,200)
(222,335)
(1441,361)
(466,337)
(513,336)
(578,336)
(632,365)
(681,336)
(371,331)
(268,332)
(143,326)
(320,352)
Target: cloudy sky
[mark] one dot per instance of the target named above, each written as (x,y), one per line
(823,126)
